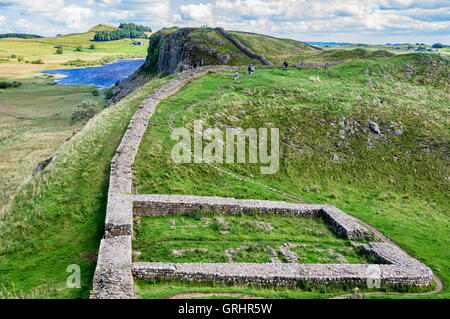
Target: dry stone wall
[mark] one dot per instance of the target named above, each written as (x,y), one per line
(115,272)
(243,48)
(278,274)
(112,279)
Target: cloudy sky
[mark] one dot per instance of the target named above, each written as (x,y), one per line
(367,21)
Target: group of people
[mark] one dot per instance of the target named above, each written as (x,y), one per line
(251,69)
(286,65)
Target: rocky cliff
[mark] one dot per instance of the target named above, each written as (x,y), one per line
(176,50)
(173,50)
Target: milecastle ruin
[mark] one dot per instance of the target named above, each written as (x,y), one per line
(115,272)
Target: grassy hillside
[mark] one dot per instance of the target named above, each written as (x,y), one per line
(397,183)
(212,40)
(102,27)
(34,121)
(215,40)
(274,49)
(57,219)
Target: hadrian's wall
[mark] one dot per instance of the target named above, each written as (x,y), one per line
(115,271)
(277,274)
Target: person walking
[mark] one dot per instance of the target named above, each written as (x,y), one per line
(249,69)
(236,76)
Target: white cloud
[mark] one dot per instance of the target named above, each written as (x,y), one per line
(32,6)
(197,12)
(301,19)
(117,15)
(74,16)
(2,20)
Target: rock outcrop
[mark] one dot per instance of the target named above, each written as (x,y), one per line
(176,51)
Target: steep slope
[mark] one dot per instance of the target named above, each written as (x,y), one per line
(274,49)
(248,52)
(174,50)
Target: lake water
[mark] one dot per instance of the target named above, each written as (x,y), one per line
(103,76)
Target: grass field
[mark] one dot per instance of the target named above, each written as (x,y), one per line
(398,183)
(395,48)
(202,237)
(34,122)
(17,54)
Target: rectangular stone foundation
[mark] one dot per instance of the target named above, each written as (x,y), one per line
(284,274)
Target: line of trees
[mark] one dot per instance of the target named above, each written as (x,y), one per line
(125,31)
(137,27)
(19,35)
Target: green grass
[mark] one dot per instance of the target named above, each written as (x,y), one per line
(39,97)
(274,49)
(156,239)
(398,186)
(57,218)
(214,39)
(160,289)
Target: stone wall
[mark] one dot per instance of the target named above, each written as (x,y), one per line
(114,273)
(111,279)
(277,274)
(165,205)
(243,48)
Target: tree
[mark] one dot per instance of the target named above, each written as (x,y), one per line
(85,110)
(59,51)
(92,47)
(79,48)
(437,46)
(126,30)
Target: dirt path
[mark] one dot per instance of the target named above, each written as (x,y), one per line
(196,295)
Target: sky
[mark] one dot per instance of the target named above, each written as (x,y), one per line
(357,21)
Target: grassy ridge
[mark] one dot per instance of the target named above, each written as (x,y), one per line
(57,218)
(398,183)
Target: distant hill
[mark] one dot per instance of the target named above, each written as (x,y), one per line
(19,35)
(125,31)
(328,43)
(83,39)
(102,27)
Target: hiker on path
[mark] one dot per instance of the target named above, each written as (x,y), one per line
(236,76)
(249,70)
(252,69)
(285,64)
